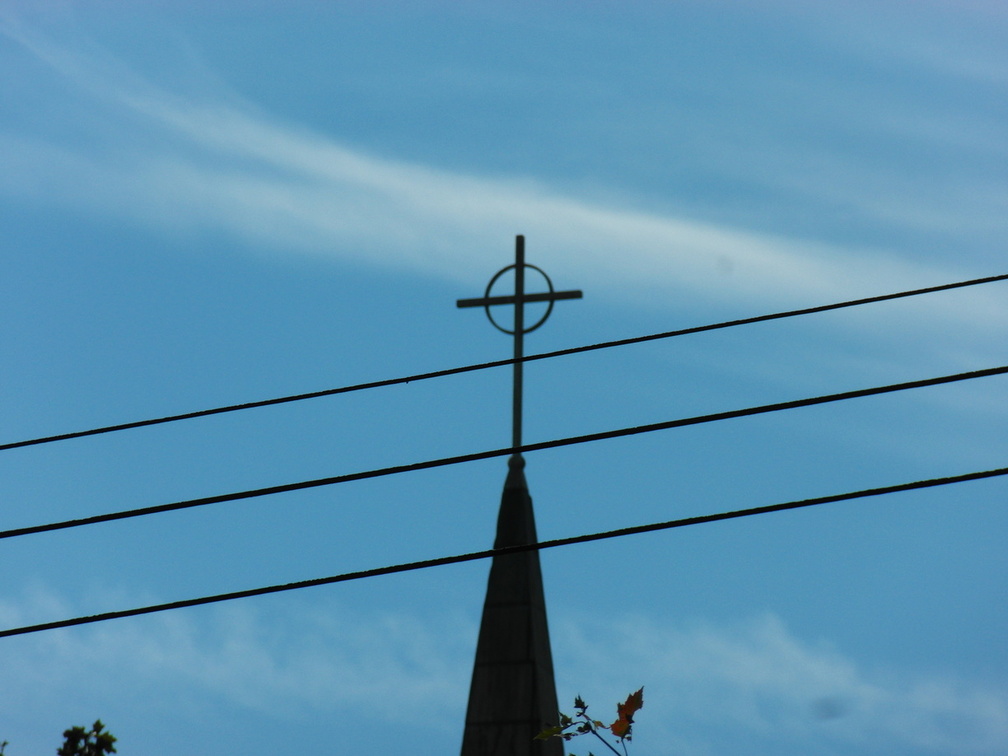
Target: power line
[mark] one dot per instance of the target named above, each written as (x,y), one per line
(475,456)
(495,363)
(488,553)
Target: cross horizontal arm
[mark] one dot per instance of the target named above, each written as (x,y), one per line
(544,297)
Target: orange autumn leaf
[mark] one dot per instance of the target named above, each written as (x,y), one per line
(620,728)
(625,714)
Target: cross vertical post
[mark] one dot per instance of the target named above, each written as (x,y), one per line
(519,342)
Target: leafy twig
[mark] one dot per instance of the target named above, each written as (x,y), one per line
(582,724)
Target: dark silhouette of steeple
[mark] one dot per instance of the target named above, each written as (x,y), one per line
(512,697)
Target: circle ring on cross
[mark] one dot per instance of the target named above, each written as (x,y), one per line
(549,306)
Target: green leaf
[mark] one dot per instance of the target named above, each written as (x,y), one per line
(549,732)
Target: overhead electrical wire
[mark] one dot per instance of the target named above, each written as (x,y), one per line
(489,553)
(497,363)
(472,457)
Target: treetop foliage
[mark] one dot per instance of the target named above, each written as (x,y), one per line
(94,742)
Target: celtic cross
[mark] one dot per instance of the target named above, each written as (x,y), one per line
(518,331)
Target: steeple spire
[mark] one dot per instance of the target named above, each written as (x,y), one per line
(513,694)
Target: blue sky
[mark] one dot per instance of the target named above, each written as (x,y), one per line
(203,207)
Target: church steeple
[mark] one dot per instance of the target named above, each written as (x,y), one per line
(513,694)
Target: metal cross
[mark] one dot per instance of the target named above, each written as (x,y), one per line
(518,299)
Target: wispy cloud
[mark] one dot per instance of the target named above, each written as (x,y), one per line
(760,681)
(325,659)
(755,680)
(189,163)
